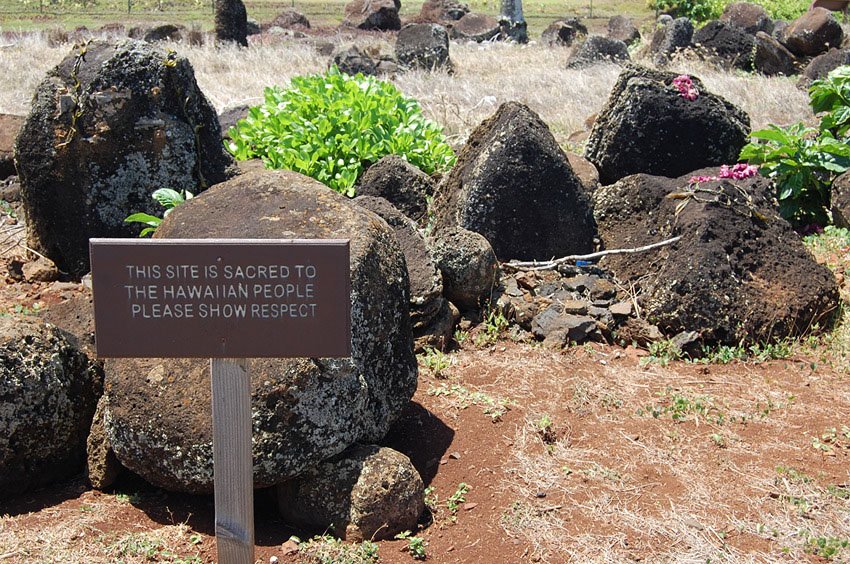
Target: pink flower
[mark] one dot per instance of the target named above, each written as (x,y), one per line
(686,88)
(738,171)
(698,179)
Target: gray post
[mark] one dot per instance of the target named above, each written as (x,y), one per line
(512,21)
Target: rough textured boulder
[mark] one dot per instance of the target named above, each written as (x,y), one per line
(442,11)
(670,38)
(10,126)
(423,46)
(399,182)
(725,44)
(563,33)
(165,32)
(367,493)
(813,33)
(468,265)
(231,22)
(514,185)
(739,273)
(102,467)
(598,49)
(623,29)
(230,116)
(104,132)
(771,57)
(426,283)
(48,393)
(290,19)
(378,15)
(822,65)
(748,17)
(369,61)
(840,200)
(475,27)
(304,410)
(647,125)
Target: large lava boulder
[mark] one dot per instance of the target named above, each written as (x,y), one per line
(399,182)
(670,38)
(597,49)
(563,33)
(770,57)
(468,266)
(423,46)
(748,17)
(726,44)
(623,29)
(649,125)
(10,126)
(109,125)
(813,33)
(739,273)
(231,22)
(475,27)
(442,11)
(820,67)
(514,185)
(378,15)
(48,393)
(304,410)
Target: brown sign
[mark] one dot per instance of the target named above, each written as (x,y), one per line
(221,298)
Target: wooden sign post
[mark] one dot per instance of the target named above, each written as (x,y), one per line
(228,300)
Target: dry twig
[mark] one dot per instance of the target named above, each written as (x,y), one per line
(533,266)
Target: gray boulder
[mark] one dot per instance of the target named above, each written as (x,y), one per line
(442,11)
(739,274)
(468,265)
(164,32)
(377,15)
(402,184)
(423,46)
(475,27)
(104,132)
(670,38)
(304,410)
(771,58)
(231,22)
(426,283)
(563,33)
(623,29)
(747,16)
(290,19)
(48,393)
(813,33)
(514,185)
(598,49)
(366,493)
(647,125)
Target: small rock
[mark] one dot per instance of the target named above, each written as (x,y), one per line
(289,547)
(575,307)
(40,270)
(622,309)
(469,506)
(455,455)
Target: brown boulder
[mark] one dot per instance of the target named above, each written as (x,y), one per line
(813,33)
(442,11)
(378,15)
(475,27)
(771,58)
(10,126)
(623,29)
(747,16)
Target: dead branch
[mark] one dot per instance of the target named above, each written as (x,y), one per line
(534,265)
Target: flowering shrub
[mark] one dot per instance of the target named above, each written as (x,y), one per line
(686,88)
(332,126)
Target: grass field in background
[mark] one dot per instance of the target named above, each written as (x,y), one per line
(44,14)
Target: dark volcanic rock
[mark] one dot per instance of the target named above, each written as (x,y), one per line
(598,49)
(468,265)
(10,126)
(475,27)
(748,17)
(102,467)
(840,200)
(726,44)
(563,33)
(102,136)
(822,65)
(423,46)
(623,29)
(813,33)
(514,185)
(230,116)
(165,32)
(442,11)
(771,57)
(304,410)
(354,60)
(48,393)
(379,15)
(290,19)
(402,184)
(648,126)
(740,274)
(231,22)
(671,38)
(366,493)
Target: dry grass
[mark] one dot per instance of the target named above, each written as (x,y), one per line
(486,76)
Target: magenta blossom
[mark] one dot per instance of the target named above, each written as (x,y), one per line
(737,171)
(686,88)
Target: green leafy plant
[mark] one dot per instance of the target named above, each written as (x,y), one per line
(332,126)
(326,549)
(457,498)
(826,547)
(662,353)
(415,545)
(698,10)
(831,95)
(436,361)
(167,198)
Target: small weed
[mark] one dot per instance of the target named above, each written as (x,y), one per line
(826,547)
(454,501)
(326,549)
(841,491)
(461,336)
(7,209)
(793,475)
(680,408)
(494,325)
(832,438)
(662,353)
(436,361)
(415,545)
(718,440)
(546,429)
(431,498)
(495,408)
(139,545)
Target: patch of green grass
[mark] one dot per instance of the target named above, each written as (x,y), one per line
(494,407)
(436,361)
(682,407)
(827,547)
(415,545)
(326,549)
